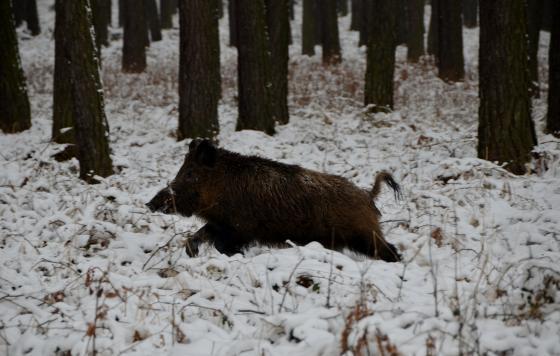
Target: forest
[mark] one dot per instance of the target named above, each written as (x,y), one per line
(273,177)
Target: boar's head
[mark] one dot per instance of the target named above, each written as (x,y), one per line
(182,195)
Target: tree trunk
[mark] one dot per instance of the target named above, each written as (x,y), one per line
(367,20)
(433,31)
(15,114)
(318,37)
(121,13)
(278,23)
(152,19)
(402,21)
(100,23)
(506,132)
(356,21)
(87,95)
(292,11)
(253,67)
(553,115)
(470,13)
(534,21)
(329,32)
(232,23)
(308,25)
(199,75)
(342,7)
(548,9)
(134,37)
(63,116)
(380,65)
(166,13)
(415,40)
(18,8)
(32,17)
(449,55)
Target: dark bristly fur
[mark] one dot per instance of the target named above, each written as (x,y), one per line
(247,199)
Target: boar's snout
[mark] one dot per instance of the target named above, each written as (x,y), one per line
(162,202)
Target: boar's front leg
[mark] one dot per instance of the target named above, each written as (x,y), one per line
(223,239)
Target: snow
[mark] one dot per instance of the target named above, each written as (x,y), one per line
(88,267)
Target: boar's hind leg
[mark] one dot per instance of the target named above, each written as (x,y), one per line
(374,247)
(221,237)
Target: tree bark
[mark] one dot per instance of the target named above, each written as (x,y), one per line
(329,32)
(534,22)
(32,17)
(121,13)
(278,23)
(15,114)
(449,54)
(415,39)
(18,8)
(433,31)
(199,75)
(255,110)
(100,23)
(366,23)
(470,13)
(380,65)
(166,13)
(153,20)
(134,37)
(232,23)
(402,21)
(356,20)
(506,132)
(308,25)
(87,95)
(553,115)
(342,7)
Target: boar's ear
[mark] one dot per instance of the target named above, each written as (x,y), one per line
(204,152)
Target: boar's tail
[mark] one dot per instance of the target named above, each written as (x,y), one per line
(387,178)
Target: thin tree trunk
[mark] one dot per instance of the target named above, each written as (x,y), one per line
(308,25)
(121,12)
(278,23)
(15,114)
(32,17)
(153,20)
(342,7)
(199,75)
(232,23)
(100,23)
(380,66)
(553,115)
(534,22)
(134,37)
(470,13)
(402,21)
(87,95)
(356,8)
(415,40)
(329,31)
(506,133)
(19,11)
(255,109)
(367,20)
(449,55)
(166,13)
(433,31)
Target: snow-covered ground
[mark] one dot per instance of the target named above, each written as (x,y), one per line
(88,267)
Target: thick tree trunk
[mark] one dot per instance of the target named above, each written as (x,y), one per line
(329,32)
(449,54)
(553,116)
(32,17)
(506,132)
(255,110)
(366,22)
(152,19)
(534,22)
(63,116)
(199,75)
(15,115)
(87,95)
(356,21)
(166,13)
(134,37)
(380,65)
(232,23)
(278,23)
(415,40)
(308,25)
(470,13)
